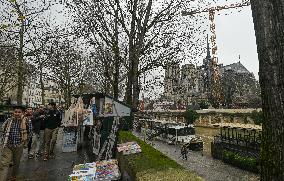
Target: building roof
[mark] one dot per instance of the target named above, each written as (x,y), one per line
(87,97)
(236,67)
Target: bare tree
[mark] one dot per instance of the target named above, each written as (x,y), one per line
(268,20)
(7,72)
(40,51)
(17,17)
(141,35)
(68,67)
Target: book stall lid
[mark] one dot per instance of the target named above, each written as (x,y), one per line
(106,170)
(129,148)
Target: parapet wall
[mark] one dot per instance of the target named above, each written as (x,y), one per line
(209,117)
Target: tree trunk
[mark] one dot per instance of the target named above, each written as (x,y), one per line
(42,85)
(20,66)
(116,79)
(141,32)
(68,93)
(116,61)
(132,56)
(136,84)
(268,19)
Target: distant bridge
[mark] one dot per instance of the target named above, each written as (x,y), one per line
(177,115)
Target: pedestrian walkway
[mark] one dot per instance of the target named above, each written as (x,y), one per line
(204,166)
(56,169)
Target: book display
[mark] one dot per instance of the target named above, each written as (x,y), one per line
(129,148)
(105,170)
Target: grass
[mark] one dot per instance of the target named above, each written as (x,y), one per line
(151,164)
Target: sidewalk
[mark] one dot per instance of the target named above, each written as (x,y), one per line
(56,169)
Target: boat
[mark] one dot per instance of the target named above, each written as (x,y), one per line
(173,133)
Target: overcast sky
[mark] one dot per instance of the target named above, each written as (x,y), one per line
(235,36)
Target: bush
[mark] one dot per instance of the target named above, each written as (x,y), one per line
(190,116)
(257,117)
(204,105)
(246,163)
(149,162)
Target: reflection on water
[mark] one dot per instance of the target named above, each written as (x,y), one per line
(207,135)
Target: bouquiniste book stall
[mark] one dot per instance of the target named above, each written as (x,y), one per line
(100,117)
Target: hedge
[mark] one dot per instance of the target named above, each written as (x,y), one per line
(151,164)
(247,163)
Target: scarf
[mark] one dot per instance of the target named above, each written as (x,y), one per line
(24,130)
(7,128)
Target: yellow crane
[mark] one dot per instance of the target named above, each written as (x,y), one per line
(216,89)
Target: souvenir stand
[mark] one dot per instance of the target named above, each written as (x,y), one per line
(72,122)
(101,118)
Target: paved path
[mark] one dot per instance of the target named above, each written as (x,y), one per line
(56,169)
(205,166)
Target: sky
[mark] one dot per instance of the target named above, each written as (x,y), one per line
(236,36)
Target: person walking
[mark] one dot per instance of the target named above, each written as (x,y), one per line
(30,117)
(184,151)
(16,132)
(38,129)
(52,124)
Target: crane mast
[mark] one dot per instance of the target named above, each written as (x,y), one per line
(216,95)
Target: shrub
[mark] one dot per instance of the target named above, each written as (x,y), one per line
(257,117)
(247,163)
(190,116)
(204,105)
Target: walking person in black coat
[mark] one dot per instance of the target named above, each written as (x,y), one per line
(52,123)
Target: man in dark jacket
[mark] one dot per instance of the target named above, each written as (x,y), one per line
(29,116)
(38,129)
(52,123)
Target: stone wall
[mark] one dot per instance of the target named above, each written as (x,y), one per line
(222,118)
(207,117)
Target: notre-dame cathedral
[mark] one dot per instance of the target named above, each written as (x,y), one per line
(191,84)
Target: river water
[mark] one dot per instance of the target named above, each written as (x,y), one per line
(207,134)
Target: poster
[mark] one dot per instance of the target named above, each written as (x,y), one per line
(88,117)
(69,140)
(106,151)
(108,108)
(70,117)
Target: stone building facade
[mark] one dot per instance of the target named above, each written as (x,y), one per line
(191,84)
(32,93)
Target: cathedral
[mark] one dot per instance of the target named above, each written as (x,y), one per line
(191,84)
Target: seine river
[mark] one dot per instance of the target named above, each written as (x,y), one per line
(207,135)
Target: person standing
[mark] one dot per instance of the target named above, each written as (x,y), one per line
(52,123)
(16,132)
(38,129)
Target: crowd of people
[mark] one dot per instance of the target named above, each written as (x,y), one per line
(34,129)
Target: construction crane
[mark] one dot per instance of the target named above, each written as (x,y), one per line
(216,89)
